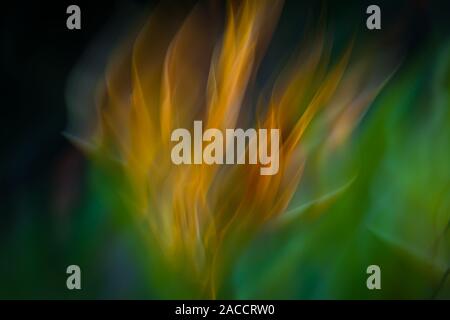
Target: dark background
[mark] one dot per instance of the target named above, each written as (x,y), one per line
(38,54)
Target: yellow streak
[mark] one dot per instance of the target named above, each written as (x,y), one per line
(178,73)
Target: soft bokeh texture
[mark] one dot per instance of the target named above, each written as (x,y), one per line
(364,159)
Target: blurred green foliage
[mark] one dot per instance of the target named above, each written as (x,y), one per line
(392,209)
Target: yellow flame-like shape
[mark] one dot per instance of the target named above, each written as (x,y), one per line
(199,215)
